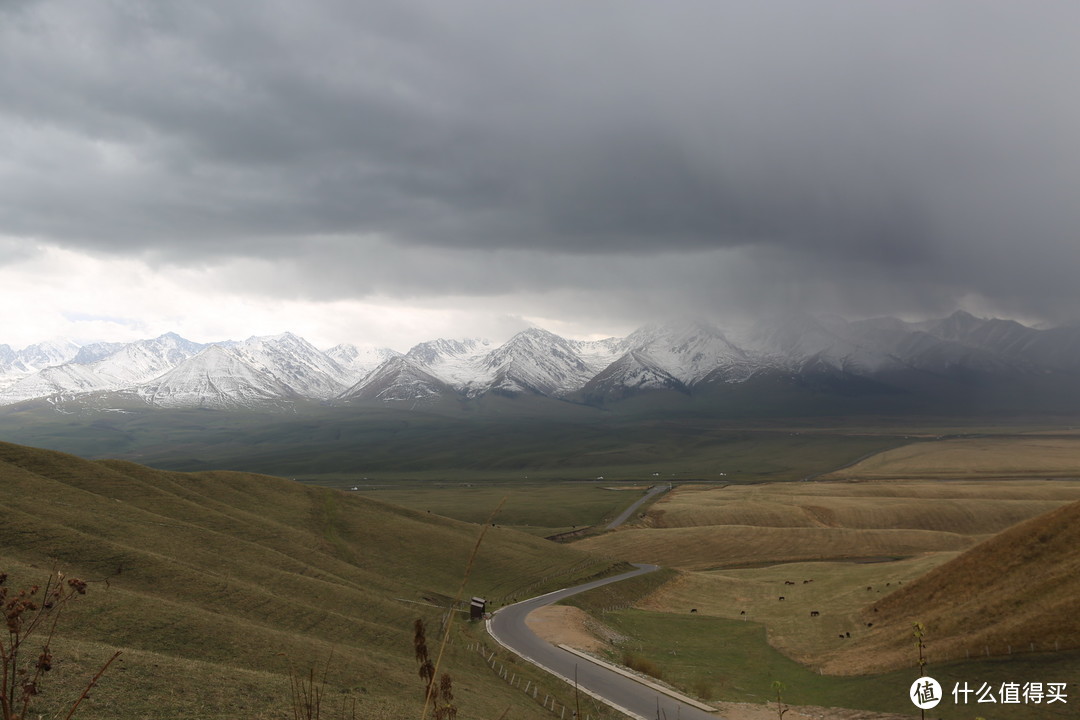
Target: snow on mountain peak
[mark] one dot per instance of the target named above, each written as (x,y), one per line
(48,353)
(536,361)
(144,360)
(435,352)
(358,361)
(295,363)
(398,379)
(683,356)
(218,378)
(689,350)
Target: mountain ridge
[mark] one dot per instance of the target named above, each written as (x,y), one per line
(828,355)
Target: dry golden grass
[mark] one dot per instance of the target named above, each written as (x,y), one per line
(967,508)
(1017,590)
(706,548)
(739,547)
(1013,457)
(707,527)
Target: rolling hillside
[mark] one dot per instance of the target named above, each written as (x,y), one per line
(214,583)
(709,527)
(1015,592)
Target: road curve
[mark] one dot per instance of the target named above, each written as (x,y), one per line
(508,628)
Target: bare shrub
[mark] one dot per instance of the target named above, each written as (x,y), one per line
(31,614)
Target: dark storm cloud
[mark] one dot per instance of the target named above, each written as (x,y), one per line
(849,154)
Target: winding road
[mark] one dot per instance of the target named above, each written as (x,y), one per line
(630,696)
(625,515)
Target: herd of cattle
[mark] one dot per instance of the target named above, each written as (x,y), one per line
(815,613)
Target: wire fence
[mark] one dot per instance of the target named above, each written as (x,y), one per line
(1000,650)
(554,701)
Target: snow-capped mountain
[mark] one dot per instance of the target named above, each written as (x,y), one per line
(798,342)
(535,361)
(672,356)
(455,362)
(127,366)
(15,364)
(631,374)
(217,378)
(819,354)
(294,363)
(258,371)
(690,351)
(598,354)
(398,379)
(358,361)
(47,354)
(95,351)
(144,360)
(428,370)
(68,379)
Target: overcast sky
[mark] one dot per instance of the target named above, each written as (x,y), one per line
(389,172)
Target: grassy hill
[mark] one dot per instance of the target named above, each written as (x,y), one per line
(781,580)
(213,583)
(1015,592)
(1047,456)
(699,527)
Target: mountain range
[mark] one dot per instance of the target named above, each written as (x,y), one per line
(877,358)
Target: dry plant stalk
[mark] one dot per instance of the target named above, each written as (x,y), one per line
(917,631)
(457,599)
(306,693)
(31,615)
(440,695)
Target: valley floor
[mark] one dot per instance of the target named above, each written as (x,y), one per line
(567,625)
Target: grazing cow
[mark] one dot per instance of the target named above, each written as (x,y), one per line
(743,612)
(841,636)
(789,582)
(869,624)
(804,582)
(781,597)
(847,634)
(814,613)
(693,610)
(869,587)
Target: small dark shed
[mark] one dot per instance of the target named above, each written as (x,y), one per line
(476,608)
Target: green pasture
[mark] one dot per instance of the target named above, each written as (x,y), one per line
(537,508)
(346,445)
(722,659)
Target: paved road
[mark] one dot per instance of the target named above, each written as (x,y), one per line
(654,490)
(508,627)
